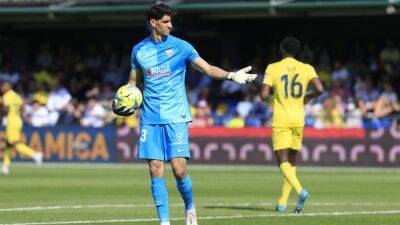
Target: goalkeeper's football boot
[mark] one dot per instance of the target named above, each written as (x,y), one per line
(191,218)
(302,198)
(280,208)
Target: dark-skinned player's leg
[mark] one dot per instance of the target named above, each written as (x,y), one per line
(303,195)
(297,139)
(288,170)
(283,156)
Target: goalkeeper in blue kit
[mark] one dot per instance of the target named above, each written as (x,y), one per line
(161,60)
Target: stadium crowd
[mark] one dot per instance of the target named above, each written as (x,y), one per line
(75,86)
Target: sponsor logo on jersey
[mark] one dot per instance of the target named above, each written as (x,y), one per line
(159,71)
(169,52)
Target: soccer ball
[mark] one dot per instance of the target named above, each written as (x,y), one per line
(129,96)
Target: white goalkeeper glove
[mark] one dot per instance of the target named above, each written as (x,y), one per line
(241,76)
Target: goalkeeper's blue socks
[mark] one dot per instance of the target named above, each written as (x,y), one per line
(160,196)
(185,188)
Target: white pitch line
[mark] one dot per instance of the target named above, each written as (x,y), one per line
(217,217)
(233,204)
(37,208)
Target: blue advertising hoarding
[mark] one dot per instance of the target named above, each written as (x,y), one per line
(217,145)
(69,143)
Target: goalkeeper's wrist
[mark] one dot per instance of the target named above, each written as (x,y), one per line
(230,75)
(132,83)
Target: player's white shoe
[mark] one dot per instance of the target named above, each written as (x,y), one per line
(5,170)
(165,223)
(38,158)
(191,218)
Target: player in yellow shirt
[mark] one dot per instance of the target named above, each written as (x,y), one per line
(289,79)
(11,106)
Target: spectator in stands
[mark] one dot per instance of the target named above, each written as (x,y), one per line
(324,75)
(313,111)
(353,118)
(107,92)
(94,115)
(114,76)
(72,113)
(10,75)
(202,95)
(366,96)
(39,115)
(41,94)
(85,63)
(199,88)
(258,63)
(387,102)
(340,92)
(79,111)
(110,116)
(220,116)
(201,117)
(330,116)
(94,91)
(244,107)
(236,121)
(260,110)
(43,76)
(230,89)
(57,101)
(340,74)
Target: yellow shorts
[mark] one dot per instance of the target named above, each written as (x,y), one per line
(13,132)
(287,138)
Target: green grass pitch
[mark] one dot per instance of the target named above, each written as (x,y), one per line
(224,195)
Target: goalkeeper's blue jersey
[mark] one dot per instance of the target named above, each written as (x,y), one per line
(163,65)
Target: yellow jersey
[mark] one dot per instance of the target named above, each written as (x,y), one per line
(289,79)
(13,102)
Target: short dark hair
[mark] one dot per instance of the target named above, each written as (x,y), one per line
(159,10)
(290,45)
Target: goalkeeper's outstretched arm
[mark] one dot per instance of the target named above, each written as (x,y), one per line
(242,76)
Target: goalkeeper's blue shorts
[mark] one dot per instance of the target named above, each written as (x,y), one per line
(163,141)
